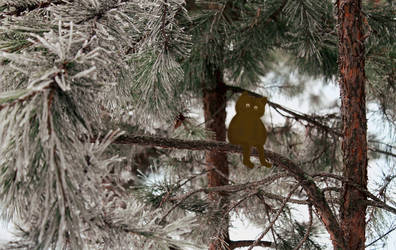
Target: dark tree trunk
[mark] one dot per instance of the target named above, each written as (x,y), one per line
(353,111)
(214,101)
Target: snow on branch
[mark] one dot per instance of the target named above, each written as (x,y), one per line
(314,193)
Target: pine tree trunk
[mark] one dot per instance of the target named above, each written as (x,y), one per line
(214,101)
(353,109)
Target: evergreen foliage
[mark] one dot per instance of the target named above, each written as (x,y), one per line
(73,74)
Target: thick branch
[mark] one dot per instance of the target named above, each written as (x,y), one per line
(315,195)
(376,150)
(246,243)
(375,200)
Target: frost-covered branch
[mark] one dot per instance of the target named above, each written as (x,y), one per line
(25,8)
(41,157)
(313,192)
(245,243)
(280,210)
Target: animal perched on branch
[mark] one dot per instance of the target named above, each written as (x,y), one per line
(246,128)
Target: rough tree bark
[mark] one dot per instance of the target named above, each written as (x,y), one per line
(353,111)
(214,100)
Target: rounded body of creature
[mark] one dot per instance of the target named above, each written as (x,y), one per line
(247,129)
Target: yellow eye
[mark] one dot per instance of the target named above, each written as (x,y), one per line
(247,105)
(255,107)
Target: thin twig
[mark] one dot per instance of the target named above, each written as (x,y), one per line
(223,218)
(186,196)
(267,207)
(180,185)
(376,150)
(297,116)
(375,200)
(306,235)
(224,188)
(313,192)
(382,236)
(272,228)
(281,198)
(239,202)
(275,218)
(382,143)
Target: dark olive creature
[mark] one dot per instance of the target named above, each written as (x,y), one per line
(247,129)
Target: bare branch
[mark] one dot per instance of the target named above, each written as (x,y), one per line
(314,193)
(375,201)
(382,143)
(308,229)
(275,218)
(381,204)
(281,198)
(246,243)
(382,236)
(308,118)
(228,188)
(376,150)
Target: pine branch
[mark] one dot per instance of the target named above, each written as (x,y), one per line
(20,100)
(276,13)
(380,204)
(273,17)
(19,10)
(375,201)
(235,188)
(246,243)
(376,150)
(314,193)
(100,14)
(275,218)
(306,235)
(191,5)
(281,198)
(382,143)
(163,24)
(382,236)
